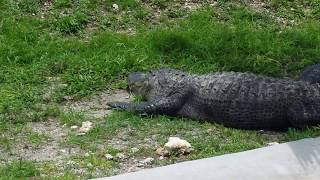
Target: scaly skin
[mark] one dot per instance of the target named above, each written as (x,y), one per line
(311,74)
(238,100)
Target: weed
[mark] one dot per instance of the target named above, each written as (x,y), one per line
(19,169)
(161,3)
(71,24)
(29,6)
(72,118)
(36,139)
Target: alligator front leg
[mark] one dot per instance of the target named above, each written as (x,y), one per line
(157,106)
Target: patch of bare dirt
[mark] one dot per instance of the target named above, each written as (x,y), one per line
(133,164)
(48,150)
(123,141)
(96,106)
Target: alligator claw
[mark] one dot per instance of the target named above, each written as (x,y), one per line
(118,105)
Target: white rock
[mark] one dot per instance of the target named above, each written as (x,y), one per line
(213,4)
(115,7)
(161,158)
(86,154)
(74,127)
(108,156)
(140,164)
(68,98)
(148,160)
(177,143)
(120,156)
(134,150)
(81,134)
(71,162)
(145,162)
(85,127)
(162,152)
(272,143)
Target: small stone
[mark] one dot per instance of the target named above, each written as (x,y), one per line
(63,151)
(161,158)
(86,127)
(120,156)
(140,164)
(68,98)
(71,163)
(134,150)
(86,154)
(108,156)
(74,127)
(159,151)
(213,4)
(115,7)
(81,134)
(162,152)
(272,143)
(145,162)
(148,160)
(177,143)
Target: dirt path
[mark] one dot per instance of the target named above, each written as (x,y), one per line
(53,133)
(95,106)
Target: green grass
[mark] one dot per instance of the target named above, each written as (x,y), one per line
(18,169)
(85,44)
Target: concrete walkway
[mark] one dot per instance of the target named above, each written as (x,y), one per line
(298,160)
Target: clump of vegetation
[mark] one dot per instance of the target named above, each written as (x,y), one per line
(19,169)
(71,24)
(29,6)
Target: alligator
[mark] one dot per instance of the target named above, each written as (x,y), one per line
(311,74)
(233,99)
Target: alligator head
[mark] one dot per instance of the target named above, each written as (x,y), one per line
(138,83)
(156,83)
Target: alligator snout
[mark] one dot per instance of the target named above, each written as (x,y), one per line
(136,82)
(136,77)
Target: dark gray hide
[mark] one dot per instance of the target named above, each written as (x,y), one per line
(239,100)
